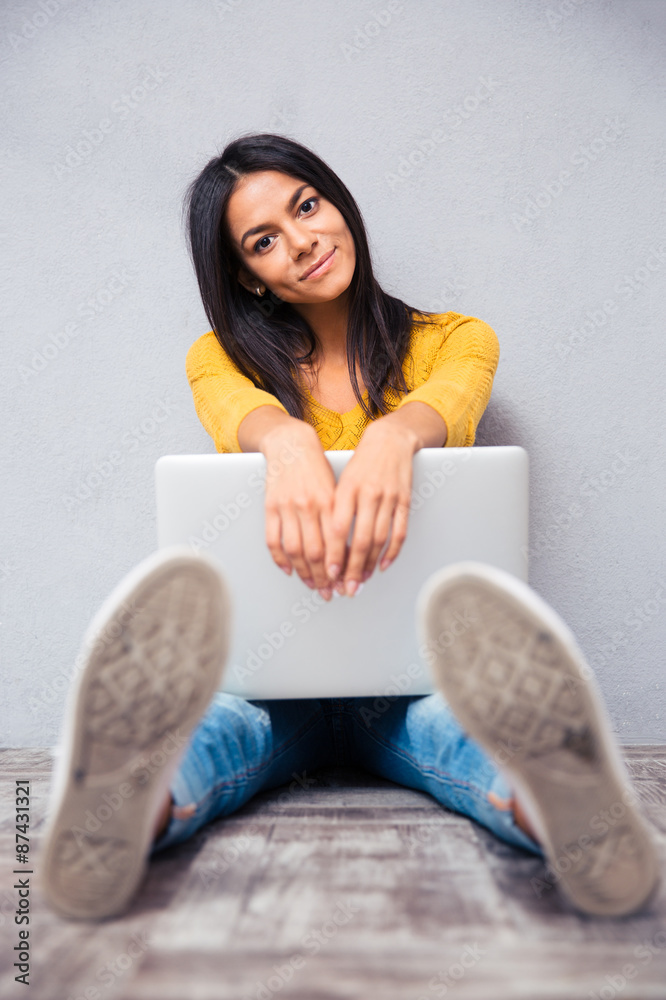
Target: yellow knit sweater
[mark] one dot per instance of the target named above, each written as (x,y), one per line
(450,364)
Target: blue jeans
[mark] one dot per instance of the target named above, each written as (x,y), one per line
(243,747)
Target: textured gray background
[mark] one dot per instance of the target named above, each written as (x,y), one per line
(517,211)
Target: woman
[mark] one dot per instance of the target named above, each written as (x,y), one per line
(307,353)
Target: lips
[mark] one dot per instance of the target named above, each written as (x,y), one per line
(317,264)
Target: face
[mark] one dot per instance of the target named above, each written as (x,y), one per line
(281,227)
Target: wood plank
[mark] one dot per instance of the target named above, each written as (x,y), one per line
(373,889)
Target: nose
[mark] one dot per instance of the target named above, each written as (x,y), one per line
(301,240)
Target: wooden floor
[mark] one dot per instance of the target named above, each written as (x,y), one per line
(353,888)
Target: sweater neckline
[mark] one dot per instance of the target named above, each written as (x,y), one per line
(334,413)
(346,417)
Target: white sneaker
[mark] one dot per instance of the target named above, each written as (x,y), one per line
(150,662)
(518,683)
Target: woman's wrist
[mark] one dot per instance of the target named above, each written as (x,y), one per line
(259,429)
(288,436)
(395,428)
(420,423)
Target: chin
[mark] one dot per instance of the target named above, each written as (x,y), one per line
(341,282)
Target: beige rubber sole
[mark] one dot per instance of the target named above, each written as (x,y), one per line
(151,660)
(518,683)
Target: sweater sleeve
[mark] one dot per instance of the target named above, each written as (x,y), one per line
(223,396)
(459,384)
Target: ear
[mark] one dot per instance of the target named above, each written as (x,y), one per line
(249,282)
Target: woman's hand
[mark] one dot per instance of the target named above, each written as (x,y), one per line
(300,489)
(376,486)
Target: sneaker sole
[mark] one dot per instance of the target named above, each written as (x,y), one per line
(519,684)
(151,660)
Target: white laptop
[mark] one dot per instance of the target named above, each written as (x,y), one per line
(287,641)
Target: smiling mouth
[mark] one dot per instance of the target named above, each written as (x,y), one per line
(318,264)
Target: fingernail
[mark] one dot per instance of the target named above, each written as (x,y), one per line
(384,564)
(309,583)
(352,586)
(333,571)
(325,592)
(366,575)
(287,570)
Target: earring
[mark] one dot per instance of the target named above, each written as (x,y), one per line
(259,290)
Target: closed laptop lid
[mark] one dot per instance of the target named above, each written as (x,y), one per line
(287,641)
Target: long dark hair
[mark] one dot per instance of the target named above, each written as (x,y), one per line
(263,336)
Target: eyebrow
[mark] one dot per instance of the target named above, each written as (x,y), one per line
(266,225)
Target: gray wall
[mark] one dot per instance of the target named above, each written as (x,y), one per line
(508,158)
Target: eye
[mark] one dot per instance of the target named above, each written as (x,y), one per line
(258,245)
(310,201)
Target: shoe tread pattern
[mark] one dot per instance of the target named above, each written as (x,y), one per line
(512,684)
(529,691)
(141,689)
(148,674)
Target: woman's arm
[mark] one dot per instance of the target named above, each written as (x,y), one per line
(254,428)
(459,383)
(300,484)
(428,428)
(223,396)
(444,410)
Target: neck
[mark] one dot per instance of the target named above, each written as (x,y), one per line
(329,322)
